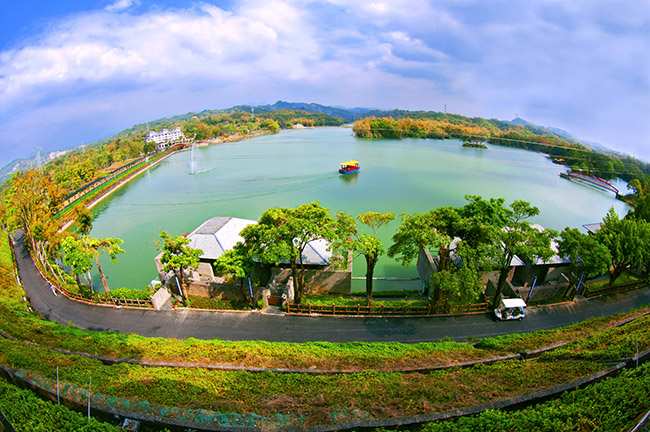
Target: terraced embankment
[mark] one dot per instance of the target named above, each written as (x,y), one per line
(220,385)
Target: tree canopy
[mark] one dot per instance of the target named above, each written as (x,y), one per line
(628,242)
(369,245)
(282,234)
(178,256)
(588,257)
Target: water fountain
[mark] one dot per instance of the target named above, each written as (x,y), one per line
(192,162)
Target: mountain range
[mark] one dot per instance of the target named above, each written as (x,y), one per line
(347,114)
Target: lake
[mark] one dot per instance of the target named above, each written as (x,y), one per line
(243,179)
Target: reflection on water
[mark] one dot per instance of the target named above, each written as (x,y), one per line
(349,178)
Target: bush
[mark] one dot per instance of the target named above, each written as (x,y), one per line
(28,413)
(609,405)
(126,293)
(216,304)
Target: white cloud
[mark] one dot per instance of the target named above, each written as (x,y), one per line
(575,65)
(119,5)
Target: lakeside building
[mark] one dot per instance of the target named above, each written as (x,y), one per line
(543,279)
(219,234)
(165,137)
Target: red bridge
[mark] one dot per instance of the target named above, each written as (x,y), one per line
(596,181)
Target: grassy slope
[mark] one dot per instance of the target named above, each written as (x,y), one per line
(376,393)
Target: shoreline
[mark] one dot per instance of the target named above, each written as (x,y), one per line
(115,187)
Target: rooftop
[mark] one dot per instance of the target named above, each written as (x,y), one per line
(219,234)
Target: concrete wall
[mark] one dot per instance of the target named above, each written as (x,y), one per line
(544,273)
(426,265)
(221,290)
(318,281)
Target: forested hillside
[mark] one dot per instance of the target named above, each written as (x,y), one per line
(530,137)
(88,163)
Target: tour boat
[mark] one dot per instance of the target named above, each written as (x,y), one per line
(349,167)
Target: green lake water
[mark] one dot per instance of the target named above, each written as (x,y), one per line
(243,179)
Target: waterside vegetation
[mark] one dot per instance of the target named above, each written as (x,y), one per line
(575,155)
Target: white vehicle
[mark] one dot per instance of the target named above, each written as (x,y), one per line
(510,309)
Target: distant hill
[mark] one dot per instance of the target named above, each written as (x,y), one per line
(347,114)
(27,163)
(564,134)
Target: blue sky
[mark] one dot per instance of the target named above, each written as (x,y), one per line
(72,72)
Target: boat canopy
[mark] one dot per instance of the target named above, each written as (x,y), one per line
(350,162)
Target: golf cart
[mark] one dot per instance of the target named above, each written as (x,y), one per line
(510,309)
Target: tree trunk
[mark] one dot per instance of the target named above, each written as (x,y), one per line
(244,293)
(47,264)
(444,258)
(303,287)
(53,271)
(572,284)
(101,275)
(435,295)
(179,278)
(370,271)
(296,281)
(76,277)
(89,281)
(503,274)
(614,274)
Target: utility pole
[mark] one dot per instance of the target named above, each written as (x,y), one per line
(38,158)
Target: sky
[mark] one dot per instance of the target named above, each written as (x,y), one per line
(75,71)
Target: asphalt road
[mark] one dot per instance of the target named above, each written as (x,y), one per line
(258,326)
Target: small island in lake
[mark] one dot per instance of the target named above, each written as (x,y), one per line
(474,144)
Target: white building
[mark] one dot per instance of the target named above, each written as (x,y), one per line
(219,234)
(164,137)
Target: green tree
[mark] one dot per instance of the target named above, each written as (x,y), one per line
(628,242)
(148,147)
(282,235)
(368,245)
(78,256)
(434,229)
(462,280)
(641,205)
(238,263)
(506,233)
(588,257)
(98,246)
(178,256)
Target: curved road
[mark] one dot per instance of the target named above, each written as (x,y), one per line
(257,326)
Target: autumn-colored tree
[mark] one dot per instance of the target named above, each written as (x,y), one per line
(84,219)
(30,201)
